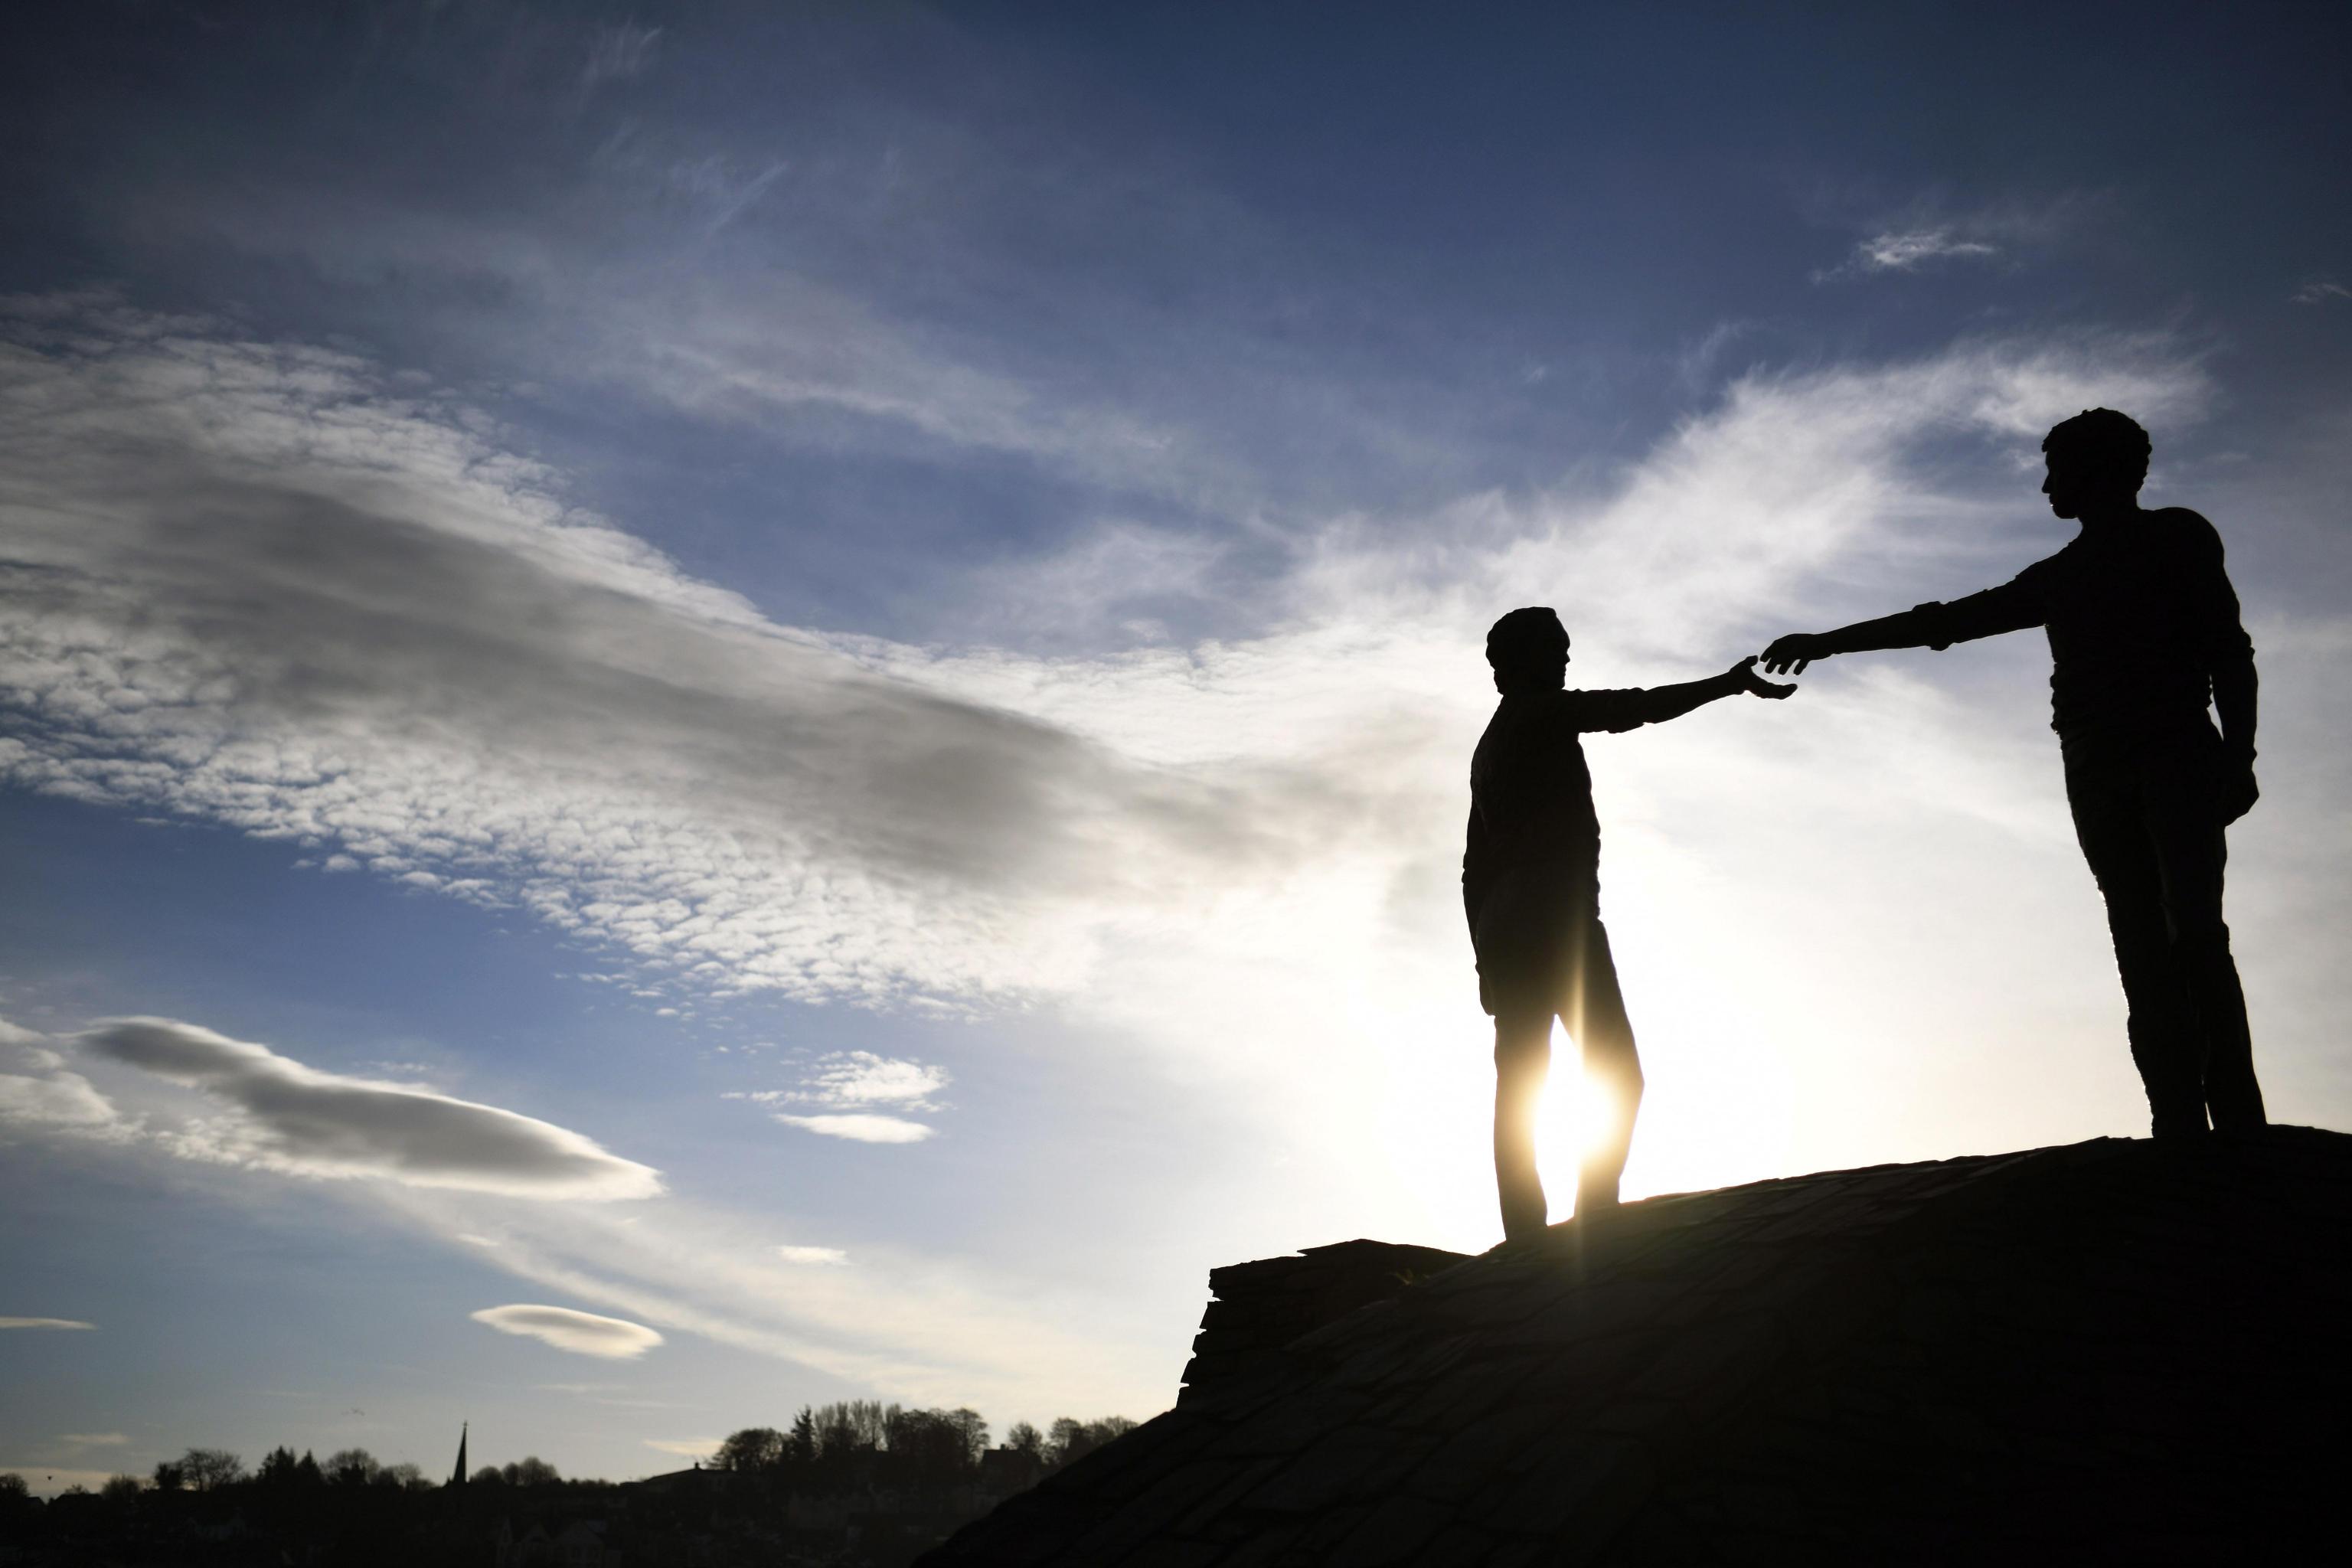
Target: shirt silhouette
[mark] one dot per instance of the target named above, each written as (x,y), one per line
(1531,891)
(2143,633)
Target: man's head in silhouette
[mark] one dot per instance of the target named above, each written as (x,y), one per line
(1528,649)
(2097,461)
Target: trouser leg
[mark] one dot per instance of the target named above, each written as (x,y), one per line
(2191,854)
(1596,1018)
(2111,823)
(1522,1061)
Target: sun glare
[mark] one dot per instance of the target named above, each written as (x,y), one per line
(1573,1118)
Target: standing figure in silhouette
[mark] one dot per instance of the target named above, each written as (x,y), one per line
(2144,631)
(1531,887)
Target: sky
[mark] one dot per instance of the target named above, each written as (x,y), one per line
(713,707)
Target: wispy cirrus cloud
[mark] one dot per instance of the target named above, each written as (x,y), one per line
(1931,232)
(617,53)
(2321,291)
(824,1255)
(1906,250)
(45,1324)
(568,1329)
(860,1127)
(281,1115)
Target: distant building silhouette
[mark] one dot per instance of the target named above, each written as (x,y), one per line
(457,1476)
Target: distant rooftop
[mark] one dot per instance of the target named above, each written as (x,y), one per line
(2112,1350)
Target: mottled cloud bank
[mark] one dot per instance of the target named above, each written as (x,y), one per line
(283,1116)
(582,1333)
(251,584)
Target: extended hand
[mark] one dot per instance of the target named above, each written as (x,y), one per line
(1791,654)
(2239,792)
(1755,685)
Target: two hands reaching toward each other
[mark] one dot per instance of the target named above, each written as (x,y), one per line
(1744,674)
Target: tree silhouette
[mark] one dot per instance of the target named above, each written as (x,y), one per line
(208,1469)
(752,1448)
(351,1466)
(530,1471)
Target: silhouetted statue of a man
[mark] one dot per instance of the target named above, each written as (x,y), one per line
(1531,887)
(2144,630)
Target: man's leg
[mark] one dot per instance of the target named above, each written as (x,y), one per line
(2191,854)
(2112,825)
(1595,1017)
(1522,1060)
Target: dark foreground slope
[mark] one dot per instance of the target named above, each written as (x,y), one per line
(2110,1352)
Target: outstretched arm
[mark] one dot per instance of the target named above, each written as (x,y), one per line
(2007,608)
(1656,704)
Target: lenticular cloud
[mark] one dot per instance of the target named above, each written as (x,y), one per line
(582,1333)
(289,1117)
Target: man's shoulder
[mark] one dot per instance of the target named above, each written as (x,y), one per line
(2182,521)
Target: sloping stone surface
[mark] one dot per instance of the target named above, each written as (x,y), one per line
(2107,1352)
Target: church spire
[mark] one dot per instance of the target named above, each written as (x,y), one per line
(457,1476)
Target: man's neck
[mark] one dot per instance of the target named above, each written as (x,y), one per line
(2110,516)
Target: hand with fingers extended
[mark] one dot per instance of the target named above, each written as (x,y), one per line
(1791,654)
(1743,676)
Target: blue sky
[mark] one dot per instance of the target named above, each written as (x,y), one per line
(798,680)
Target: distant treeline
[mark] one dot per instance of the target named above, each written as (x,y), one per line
(854,1482)
(865,1443)
(216,1469)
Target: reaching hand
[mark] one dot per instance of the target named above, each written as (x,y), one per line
(1791,654)
(2239,792)
(1755,685)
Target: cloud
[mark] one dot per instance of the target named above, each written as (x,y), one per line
(2324,291)
(44,1324)
(861,1077)
(36,1089)
(618,53)
(1929,232)
(94,1439)
(283,1116)
(583,1334)
(861,1129)
(846,1079)
(1907,250)
(687,1447)
(813,1255)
